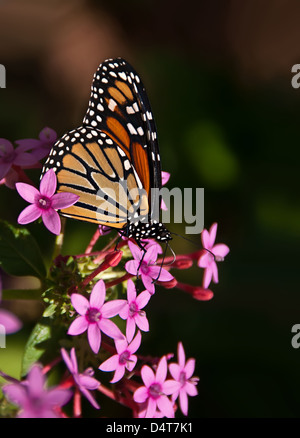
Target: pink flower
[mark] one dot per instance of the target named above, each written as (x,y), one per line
(123,359)
(41,147)
(94,316)
(36,401)
(132,311)
(85,381)
(156,389)
(44,202)
(182,373)
(208,260)
(144,265)
(10,156)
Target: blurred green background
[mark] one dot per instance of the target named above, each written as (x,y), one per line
(218,75)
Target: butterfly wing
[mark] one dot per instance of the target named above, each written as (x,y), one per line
(112,162)
(90,164)
(119,106)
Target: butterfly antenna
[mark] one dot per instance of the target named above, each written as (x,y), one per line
(194,243)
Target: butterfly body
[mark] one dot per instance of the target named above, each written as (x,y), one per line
(112,161)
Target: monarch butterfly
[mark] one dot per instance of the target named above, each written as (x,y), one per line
(112,161)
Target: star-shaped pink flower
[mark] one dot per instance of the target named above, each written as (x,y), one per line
(19,156)
(33,398)
(124,359)
(215,253)
(182,372)
(84,381)
(132,311)
(94,316)
(144,265)
(156,389)
(44,202)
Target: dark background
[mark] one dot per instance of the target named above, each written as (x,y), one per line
(218,75)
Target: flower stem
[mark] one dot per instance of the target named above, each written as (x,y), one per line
(59,239)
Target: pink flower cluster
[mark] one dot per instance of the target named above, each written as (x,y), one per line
(153,389)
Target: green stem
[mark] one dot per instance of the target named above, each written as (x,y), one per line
(59,239)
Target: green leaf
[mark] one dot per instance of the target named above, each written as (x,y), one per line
(19,253)
(36,345)
(43,344)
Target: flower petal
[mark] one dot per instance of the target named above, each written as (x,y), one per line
(57,397)
(28,192)
(16,393)
(165,176)
(147,375)
(110,364)
(161,371)
(4,168)
(110,329)
(48,184)
(207,277)
(63,200)
(135,344)
(132,267)
(142,299)
(36,381)
(88,382)
(220,250)
(11,323)
(112,308)
(148,283)
(131,291)
(183,402)
(80,303)
(98,294)
(181,355)
(160,274)
(165,406)
(135,251)
(78,326)
(171,386)
(212,234)
(119,373)
(67,360)
(142,323)
(151,255)
(51,221)
(130,329)
(189,368)
(141,394)
(94,337)
(29,214)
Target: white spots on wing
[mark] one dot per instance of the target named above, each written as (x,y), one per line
(121,152)
(122,75)
(127,164)
(140,130)
(100,107)
(135,107)
(112,104)
(131,128)
(130,110)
